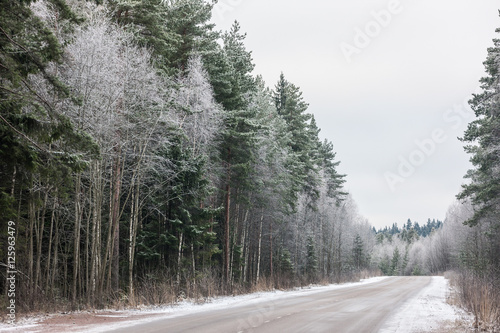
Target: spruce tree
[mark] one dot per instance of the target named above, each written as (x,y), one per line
(483,143)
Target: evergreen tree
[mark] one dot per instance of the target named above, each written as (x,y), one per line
(334,180)
(406,259)
(40,147)
(303,141)
(358,253)
(311,259)
(169,161)
(285,264)
(240,60)
(385,265)
(395,262)
(29,121)
(417,229)
(380,238)
(238,140)
(394,229)
(482,139)
(175,30)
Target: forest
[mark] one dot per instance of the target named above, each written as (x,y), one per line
(142,162)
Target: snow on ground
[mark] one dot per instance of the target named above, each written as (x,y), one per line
(428,311)
(425,312)
(182,308)
(227,301)
(188,307)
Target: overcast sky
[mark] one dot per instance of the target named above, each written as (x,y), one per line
(387,82)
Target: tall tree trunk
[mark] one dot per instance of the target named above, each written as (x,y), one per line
(108,254)
(55,262)
(39,241)
(244,246)
(134,225)
(246,255)
(271,250)
(87,255)
(259,249)
(76,246)
(49,252)
(65,256)
(96,273)
(233,240)
(31,220)
(193,266)
(115,217)
(226,227)
(179,258)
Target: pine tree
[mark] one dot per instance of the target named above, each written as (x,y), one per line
(239,136)
(482,139)
(358,253)
(334,180)
(175,30)
(303,138)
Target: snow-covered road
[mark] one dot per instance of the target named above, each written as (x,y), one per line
(394,304)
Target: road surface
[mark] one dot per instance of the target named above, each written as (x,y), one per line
(359,309)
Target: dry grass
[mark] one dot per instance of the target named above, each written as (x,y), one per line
(459,326)
(479,296)
(264,284)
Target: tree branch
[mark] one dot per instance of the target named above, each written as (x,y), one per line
(22,134)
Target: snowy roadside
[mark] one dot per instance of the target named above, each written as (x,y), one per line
(102,321)
(428,311)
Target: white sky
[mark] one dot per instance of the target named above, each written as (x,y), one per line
(411,78)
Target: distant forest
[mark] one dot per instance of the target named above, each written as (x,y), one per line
(422,231)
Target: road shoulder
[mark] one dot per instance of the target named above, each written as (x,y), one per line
(428,311)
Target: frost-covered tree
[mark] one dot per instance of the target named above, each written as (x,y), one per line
(200,116)
(121,104)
